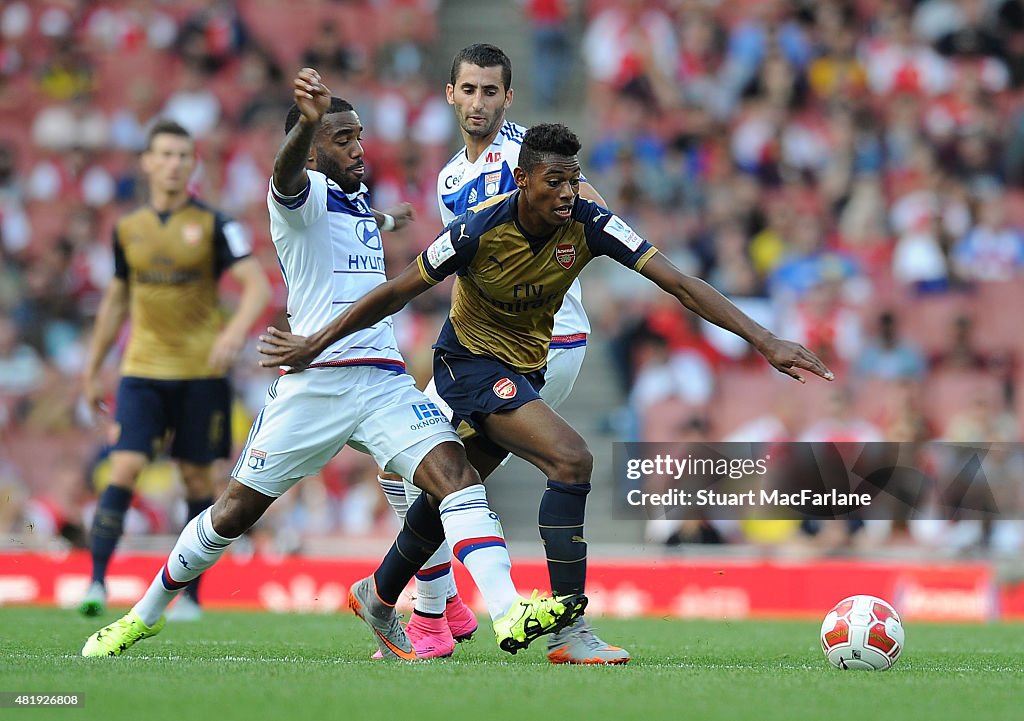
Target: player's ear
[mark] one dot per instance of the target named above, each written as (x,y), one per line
(508,98)
(449,93)
(519,175)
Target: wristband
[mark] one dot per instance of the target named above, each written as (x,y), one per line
(389,223)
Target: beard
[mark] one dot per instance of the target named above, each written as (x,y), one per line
(329,167)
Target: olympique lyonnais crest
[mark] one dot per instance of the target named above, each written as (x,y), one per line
(192,233)
(492,181)
(505,388)
(565,255)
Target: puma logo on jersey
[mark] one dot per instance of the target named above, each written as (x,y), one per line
(599,216)
(497,262)
(462,233)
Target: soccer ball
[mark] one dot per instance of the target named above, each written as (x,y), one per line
(862,632)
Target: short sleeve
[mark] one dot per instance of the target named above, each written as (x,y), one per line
(303,209)
(120,262)
(451,251)
(608,234)
(231,242)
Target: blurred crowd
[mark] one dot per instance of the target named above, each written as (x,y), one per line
(80,83)
(849,172)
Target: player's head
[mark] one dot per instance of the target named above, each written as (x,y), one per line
(169,157)
(336,151)
(480,89)
(548,174)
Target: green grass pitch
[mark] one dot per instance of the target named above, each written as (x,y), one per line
(249,666)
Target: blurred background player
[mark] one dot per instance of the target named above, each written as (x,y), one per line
(490,357)
(480,91)
(168,257)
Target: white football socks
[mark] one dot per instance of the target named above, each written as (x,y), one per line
(476,538)
(198,548)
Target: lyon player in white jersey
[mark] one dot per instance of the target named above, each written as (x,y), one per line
(480,92)
(357,393)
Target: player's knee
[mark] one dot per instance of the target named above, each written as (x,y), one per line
(237,509)
(125,468)
(227,519)
(381,473)
(198,481)
(445,470)
(575,463)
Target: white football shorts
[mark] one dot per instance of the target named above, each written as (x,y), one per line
(309,416)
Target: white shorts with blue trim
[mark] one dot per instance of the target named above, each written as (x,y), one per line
(309,416)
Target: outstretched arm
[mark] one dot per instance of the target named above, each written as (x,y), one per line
(401,215)
(280,348)
(714,307)
(313,99)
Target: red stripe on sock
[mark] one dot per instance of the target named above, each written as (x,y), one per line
(466,543)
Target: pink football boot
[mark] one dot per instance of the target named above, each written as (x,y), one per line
(430,637)
(461,620)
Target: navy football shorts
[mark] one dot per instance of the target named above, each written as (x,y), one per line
(197,412)
(477,386)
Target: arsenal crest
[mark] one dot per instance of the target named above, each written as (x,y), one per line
(192,233)
(565,255)
(505,388)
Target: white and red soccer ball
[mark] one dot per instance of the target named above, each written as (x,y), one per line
(862,632)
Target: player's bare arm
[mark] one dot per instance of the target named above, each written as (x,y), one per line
(401,215)
(111,316)
(255,296)
(281,348)
(313,99)
(699,297)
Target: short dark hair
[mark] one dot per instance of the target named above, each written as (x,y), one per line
(337,106)
(547,139)
(484,55)
(166,126)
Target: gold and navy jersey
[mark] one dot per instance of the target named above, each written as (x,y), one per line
(172,262)
(510,284)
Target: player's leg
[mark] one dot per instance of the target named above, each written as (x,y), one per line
(437,594)
(199,490)
(140,425)
(440,615)
(299,429)
(202,542)
(201,419)
(465,520)
(576,643)
(408,438)
(428,628)
(537,434)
